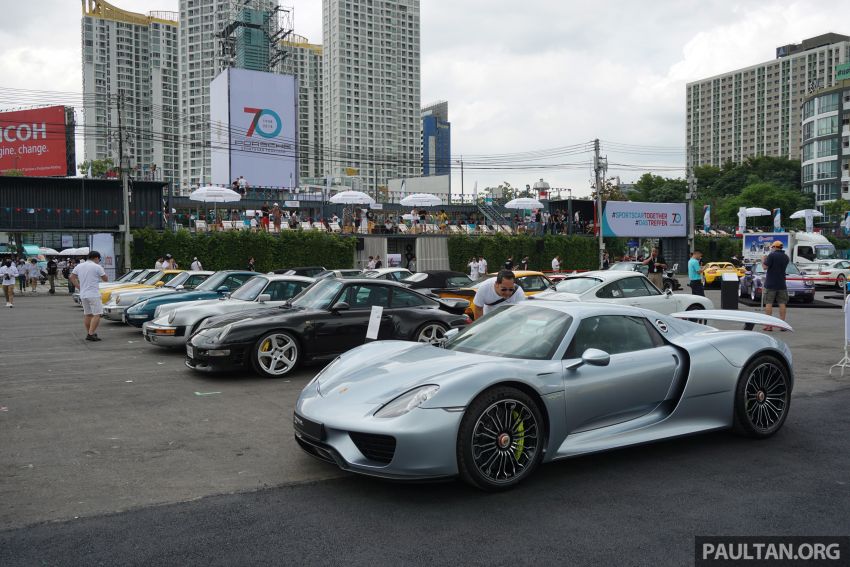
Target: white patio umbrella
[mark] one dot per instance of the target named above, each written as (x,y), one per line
(81,251)
(68,252)
(214,195)
(756,212)
(524,203)
(421,200)
(352,198)
(809,215)
(48,251)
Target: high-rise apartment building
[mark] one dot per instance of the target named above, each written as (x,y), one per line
(436,139)
(304,60)
(371,86)
(825,150)
(130,61)
(755,111)
(202,59)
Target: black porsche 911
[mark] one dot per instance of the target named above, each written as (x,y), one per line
(326,319)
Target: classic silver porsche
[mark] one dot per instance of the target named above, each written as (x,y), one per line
(540,381)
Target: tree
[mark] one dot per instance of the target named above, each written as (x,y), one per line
(657,189)
(610,192)
(99,167)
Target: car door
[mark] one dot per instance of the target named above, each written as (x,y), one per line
(400,321)
(343,330)
(639,377)
(639,292)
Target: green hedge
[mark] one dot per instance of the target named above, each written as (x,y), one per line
(231,249)
(577,252)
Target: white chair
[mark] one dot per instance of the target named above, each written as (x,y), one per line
(335,227)
(226,225)
(507,229)
(200,226)
(306,225)
(402,229)
(485,229)
(319,226)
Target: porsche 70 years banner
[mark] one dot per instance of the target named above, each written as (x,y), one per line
(625,218)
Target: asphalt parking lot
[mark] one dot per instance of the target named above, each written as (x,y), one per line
(88,429)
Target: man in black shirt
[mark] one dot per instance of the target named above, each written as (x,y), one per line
(655,264)
(775,289)
(52,270)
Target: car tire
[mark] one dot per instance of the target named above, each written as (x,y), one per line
(431,333)
(501,462)
(762,398)
(276,354)
(697,307)
(840,281)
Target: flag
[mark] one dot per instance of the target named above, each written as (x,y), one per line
(88,174)
(777,220)
(742,220)
(846,223)
(706,218)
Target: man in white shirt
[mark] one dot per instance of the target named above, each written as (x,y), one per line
(196,265)
(8,274)
(370,265)
(87,277)
(482,267)
(159,264)
(556,264)
(473,269)
(501,290)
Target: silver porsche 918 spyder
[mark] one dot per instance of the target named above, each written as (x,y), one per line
(541,381)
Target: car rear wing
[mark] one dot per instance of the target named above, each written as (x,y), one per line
(453,305)
(747,317)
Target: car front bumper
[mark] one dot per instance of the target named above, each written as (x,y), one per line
(204,356)
(418,445)
(164,335)
(137,319)
(113,312)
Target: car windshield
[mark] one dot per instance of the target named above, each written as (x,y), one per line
(457,281)
(250,289)
(142,276)
(154,278)
(179,279)
(213,282)
(791,269)
(318,295)
(722,266)
(576,285)
(528,332)
(371,273)
(622,267)
(129,276)
(825,251)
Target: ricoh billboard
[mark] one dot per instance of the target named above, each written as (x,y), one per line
(652,220)
(253,128)
(36,141)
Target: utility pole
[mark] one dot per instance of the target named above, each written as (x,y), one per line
(600,166)
(125,182)
(690,196)
(461,180)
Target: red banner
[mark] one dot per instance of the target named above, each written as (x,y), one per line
(34,141)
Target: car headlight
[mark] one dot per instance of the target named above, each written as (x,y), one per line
(116,298)
(224,330)
(157,312)
(171,316)
(408,401)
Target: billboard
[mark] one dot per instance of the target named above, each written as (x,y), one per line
(35,141)
(652,220)
(758,245)
(253,128)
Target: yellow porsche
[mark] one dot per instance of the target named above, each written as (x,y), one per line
(530,281)
(157,279)
(713,272)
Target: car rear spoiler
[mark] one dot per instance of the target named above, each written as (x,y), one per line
(747,317)
(453,305)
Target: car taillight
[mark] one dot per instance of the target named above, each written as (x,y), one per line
(823,273)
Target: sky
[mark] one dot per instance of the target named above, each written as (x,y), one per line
(518,76)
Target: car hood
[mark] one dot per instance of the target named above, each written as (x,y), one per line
(559,295)
(378,372)
(264,312)
(186,296)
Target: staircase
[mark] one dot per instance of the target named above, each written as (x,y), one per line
(492,214)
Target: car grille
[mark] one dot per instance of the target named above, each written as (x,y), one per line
(380,448)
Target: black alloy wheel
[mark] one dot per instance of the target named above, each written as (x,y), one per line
(500,441)
(762,397)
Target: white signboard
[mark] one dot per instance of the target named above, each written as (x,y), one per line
(253,128)
(654,220)
(104,243)
(374,322)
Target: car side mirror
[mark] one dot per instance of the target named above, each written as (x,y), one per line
(340,306)
(591,357)
(180,288)
(222,289)
(264,297)
(668,292)
(159,284)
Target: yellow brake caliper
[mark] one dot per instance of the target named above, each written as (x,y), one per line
(520,438)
